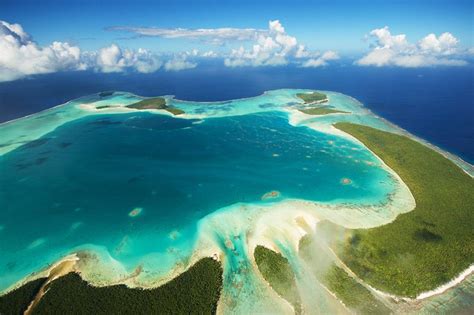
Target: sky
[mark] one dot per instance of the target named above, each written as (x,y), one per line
(146,36)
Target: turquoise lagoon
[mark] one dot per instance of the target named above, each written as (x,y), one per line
(71,175)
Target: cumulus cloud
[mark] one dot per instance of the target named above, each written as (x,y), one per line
(20,56)
(395,50)
(274,48)
(178,63)
(321,60)
(303,52)
(115,59)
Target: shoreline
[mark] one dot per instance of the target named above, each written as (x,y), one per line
(277,213)
(296,233)
(451,284)
(295,225)
(336,213)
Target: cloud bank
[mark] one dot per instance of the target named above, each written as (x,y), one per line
(395,50)
(270,47)
(20,56)
(274,48)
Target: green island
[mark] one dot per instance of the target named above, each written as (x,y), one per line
(321,111)
(313,97)
(277,271)
(195,291)
(156,103)
(424,248)
(150,103)
(107,106)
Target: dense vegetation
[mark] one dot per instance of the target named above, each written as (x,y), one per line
(320,111)
(156,103)
(174,110)
(106,106)
(196,291)
(312,97)
(354,295)
(277,271)
(316,97)
(17,301)
(428,246)
(150,103)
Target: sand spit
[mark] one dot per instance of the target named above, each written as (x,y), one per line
(50,271)
(271,195)
(59,269)
(135,212)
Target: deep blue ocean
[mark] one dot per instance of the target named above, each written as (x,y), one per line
(436,104)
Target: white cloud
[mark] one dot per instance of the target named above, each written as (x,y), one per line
(20,56)
(178,63)
(445,44)
(209,54)
(321,60)
(211,35)
(262,47)
(395,50)
(274,48)
(379,56)
(275,26)
(302,52)
(385,39)
(196,53)
(114,59)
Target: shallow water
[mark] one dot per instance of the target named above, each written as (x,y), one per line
(76,185)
